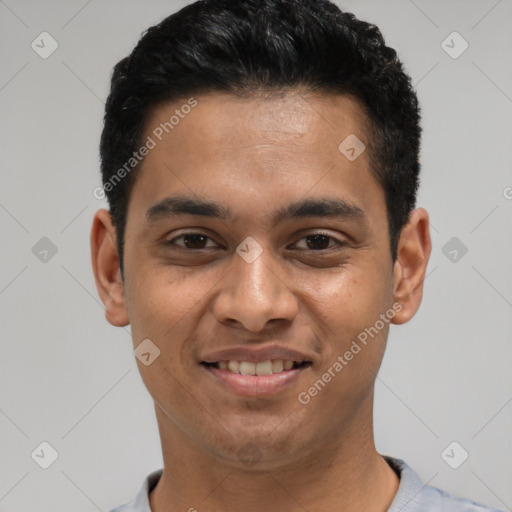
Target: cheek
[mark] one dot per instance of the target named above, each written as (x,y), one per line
(349,301)
(166,309)
(347,312)
(353,346)
(162,306)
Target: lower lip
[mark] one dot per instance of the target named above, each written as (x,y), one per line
(255,385)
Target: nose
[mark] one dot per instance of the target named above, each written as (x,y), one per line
(255,294)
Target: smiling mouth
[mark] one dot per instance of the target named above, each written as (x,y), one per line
(269,367)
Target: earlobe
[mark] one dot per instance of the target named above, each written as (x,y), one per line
(106,268)
(410,267)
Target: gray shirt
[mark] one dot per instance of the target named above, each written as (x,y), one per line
(412,495)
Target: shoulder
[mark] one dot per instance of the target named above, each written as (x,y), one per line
(438,499)
(414,496)
(141,501)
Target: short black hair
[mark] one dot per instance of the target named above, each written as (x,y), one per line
(247,46)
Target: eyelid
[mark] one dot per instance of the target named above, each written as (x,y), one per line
(188,233)
(338,242)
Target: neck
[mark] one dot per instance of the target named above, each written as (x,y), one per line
(347,469)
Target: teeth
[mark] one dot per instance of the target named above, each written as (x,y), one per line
(288,365)
(263,368)
(234,366)
(277,366)
(247,368)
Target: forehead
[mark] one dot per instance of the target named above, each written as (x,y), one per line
(262,148)
(232,122)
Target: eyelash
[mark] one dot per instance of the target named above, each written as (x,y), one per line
(339,243)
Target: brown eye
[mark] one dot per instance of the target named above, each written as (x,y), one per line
(191,241)
(319,242)
(195,241)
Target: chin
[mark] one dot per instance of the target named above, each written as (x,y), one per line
(260,450)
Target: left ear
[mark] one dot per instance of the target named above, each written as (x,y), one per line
(410,267)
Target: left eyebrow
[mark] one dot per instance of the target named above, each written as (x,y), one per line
(327,207)
(335,208)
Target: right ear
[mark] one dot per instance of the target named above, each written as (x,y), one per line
(107,270)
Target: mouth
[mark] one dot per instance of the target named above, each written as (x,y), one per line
(250,379)
(269,367)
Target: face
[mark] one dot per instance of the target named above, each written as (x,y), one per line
(252,238)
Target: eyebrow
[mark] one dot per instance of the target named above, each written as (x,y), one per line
(330,207)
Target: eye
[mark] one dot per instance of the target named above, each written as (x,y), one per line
(315,242)
(191,241)
(319,242)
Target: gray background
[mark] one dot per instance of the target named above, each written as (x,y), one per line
(69,378)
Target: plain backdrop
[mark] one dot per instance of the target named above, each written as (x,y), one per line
(70,379)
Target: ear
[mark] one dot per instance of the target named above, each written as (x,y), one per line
(410,267)
(106,268)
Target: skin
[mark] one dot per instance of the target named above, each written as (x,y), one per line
(256,155)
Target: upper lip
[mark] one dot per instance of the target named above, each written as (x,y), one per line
(255,354)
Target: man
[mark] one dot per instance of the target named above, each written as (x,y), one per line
(260,159)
